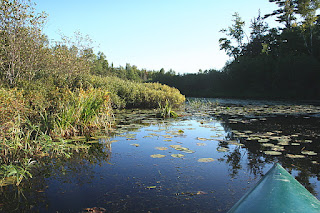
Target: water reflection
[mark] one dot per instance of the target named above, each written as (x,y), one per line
(121,177)
(32,195)
(300,130)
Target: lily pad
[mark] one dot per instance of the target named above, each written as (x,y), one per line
(189,151)
(161,148)
(202,139)
(306,152)
(272,153)
(267,145)
(205,160)
(157,156)
(263,140)
(222,149)
(177,155)
(175,146)
(295,156)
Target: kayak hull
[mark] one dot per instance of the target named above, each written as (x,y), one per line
(277,191)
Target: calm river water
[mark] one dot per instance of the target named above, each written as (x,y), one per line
(203,161)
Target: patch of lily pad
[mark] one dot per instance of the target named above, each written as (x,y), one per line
(295,156)
(157,156)
(177,155)
(306,152)
(222,149)
(272,153)
(205,160)
(162,148)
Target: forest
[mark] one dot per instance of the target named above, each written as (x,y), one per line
(272,63)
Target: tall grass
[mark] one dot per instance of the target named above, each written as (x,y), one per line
(35,118)
(129,94)
(26,133)
(165,111)
(83,112)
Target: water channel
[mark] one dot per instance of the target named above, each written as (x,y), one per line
(203,161)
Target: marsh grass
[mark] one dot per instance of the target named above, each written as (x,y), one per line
(165,111)
(198,104)
(83,112)
(129,94)
(39,119)
(30,132)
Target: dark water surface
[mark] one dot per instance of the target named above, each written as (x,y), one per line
(120,173)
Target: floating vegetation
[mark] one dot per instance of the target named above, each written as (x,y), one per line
(183,149)
(305,152)
(263,140)
(235,143)
(277,148)
(157,156)
(304,141)
(203,139)
(267,145)
(175,146)
(167,140)
(205,160)
(295,156)
(201,144)
(161,148)
(272,153)
(135,144)
(222,149)
(177,155)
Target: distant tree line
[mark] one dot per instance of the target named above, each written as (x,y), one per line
(268,62)
(265,63)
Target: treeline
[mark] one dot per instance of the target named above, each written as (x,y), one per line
(268,62)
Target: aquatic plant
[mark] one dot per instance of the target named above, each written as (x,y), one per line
(129,94)
(166,111)
(198,104)
(82,112)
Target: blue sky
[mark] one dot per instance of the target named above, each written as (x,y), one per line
(172,34)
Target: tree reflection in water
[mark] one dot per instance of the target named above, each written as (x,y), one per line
(30,195)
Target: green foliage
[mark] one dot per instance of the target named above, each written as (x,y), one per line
(125,93)
(166,111)
(81,112)
(275,63)
(58,90)
(236,33)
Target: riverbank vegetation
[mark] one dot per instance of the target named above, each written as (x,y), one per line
(267,62)
(52,93)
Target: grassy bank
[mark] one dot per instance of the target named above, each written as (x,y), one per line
(37,118)
(51,92)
